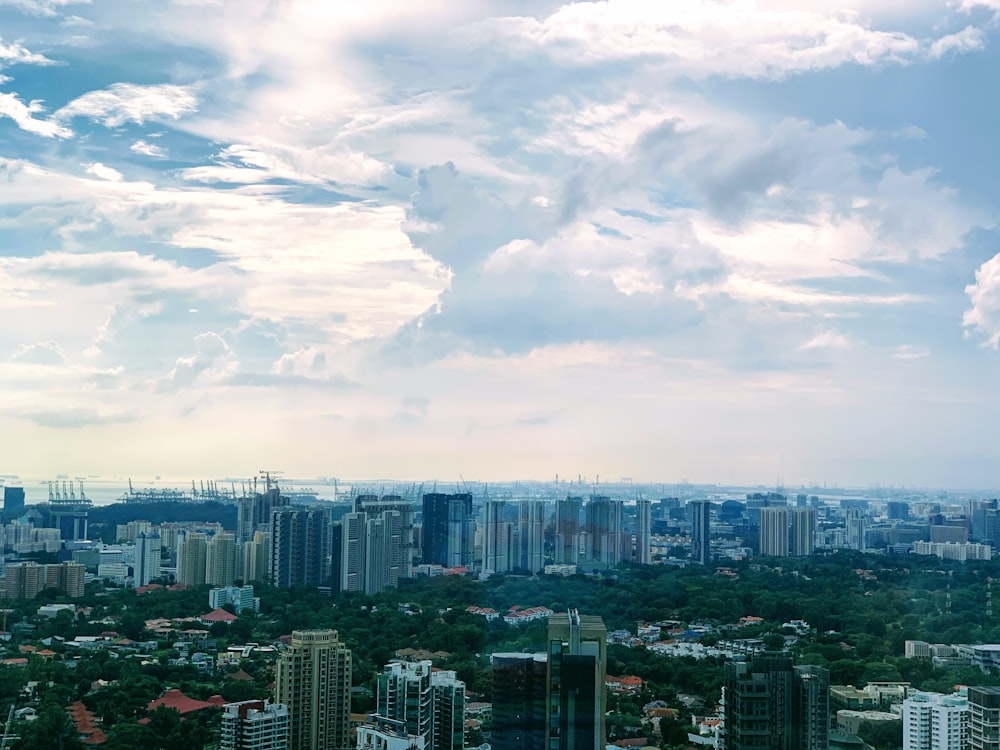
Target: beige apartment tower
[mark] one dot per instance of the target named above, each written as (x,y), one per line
(314,681)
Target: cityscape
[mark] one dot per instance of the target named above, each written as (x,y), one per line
(210,565)
(624,373)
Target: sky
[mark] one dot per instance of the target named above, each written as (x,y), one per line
(704,240)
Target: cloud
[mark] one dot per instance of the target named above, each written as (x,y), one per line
(709,37)
(984,316)
(126,102)
(15,53)
(104,173)
(72,418)
(212,362)
(42,7)
(11,106)
(43,353)
(148,149)
(911,351)
(827,339)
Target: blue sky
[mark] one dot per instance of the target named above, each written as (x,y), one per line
(714,241)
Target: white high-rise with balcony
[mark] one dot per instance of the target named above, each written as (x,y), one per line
(933,721)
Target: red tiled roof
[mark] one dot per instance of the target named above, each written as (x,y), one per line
(218,615)
(176,700)
(85,726)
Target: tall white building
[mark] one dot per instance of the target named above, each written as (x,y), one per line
(147,558)
(856,524)
(774,532)
(530,540)
(803,536)
(933,721)
(496,538)
(221,559)
(254,725)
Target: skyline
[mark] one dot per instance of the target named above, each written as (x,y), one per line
(721,241)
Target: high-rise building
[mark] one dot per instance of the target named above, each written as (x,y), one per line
(382,733)
(856,524)
(350,536)
(803,533)
(254,725)
(448,529)
(257,557)
(299,546)
(430,705)
(497,533)
(984,718)
(221,558)
(701,550)
(772,704)
(605,540)
(382,551)
(13,501)
(643,551)
(192,550)
(897,510)
(774,532)
(519,694)
(568,513)
(934,721)
(26,579)
(147,558)
(373,506)
(529,539)
(314,680)
(575,691)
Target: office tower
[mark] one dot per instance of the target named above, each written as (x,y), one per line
(147,558)
(314,680)
(774,532)
(701,550)
(191,557)
(568,514)
(245,519)
(497,535)
(934,721)
(299,546)
(803,535)
(772,704)
(254,725)
(257,557)
(373,506)
(644,529)
(519,693)
(897,510)
(575,697)
(605,541)
(855,523)
(13,501)
(984,718)
(529,540)
(221,557)
(448,529)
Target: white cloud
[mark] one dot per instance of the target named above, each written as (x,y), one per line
(43,353)
(125,102)
(42,7)
(968,39)
(911,351)
(706,37)
(11,106)
(984,315)
(827,339)
(15,53)
(104,172)
(148,149)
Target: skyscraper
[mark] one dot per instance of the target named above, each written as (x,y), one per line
(254,725)
(497,534)
(519,694)
(147,558)
(299,546)
(529,541)
(644,528)
(382,551)
(13,501)
(575,692)
(774,532)
(803,534)
(351,552)
(431,705)
(257,557)
(984,718)
(568,512)
(314,680)
(856,524)
(605,539)
(448,529)
(221,558)
(701,551)
(772,704)
(191,553)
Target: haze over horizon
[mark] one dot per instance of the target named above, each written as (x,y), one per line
(726,241)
